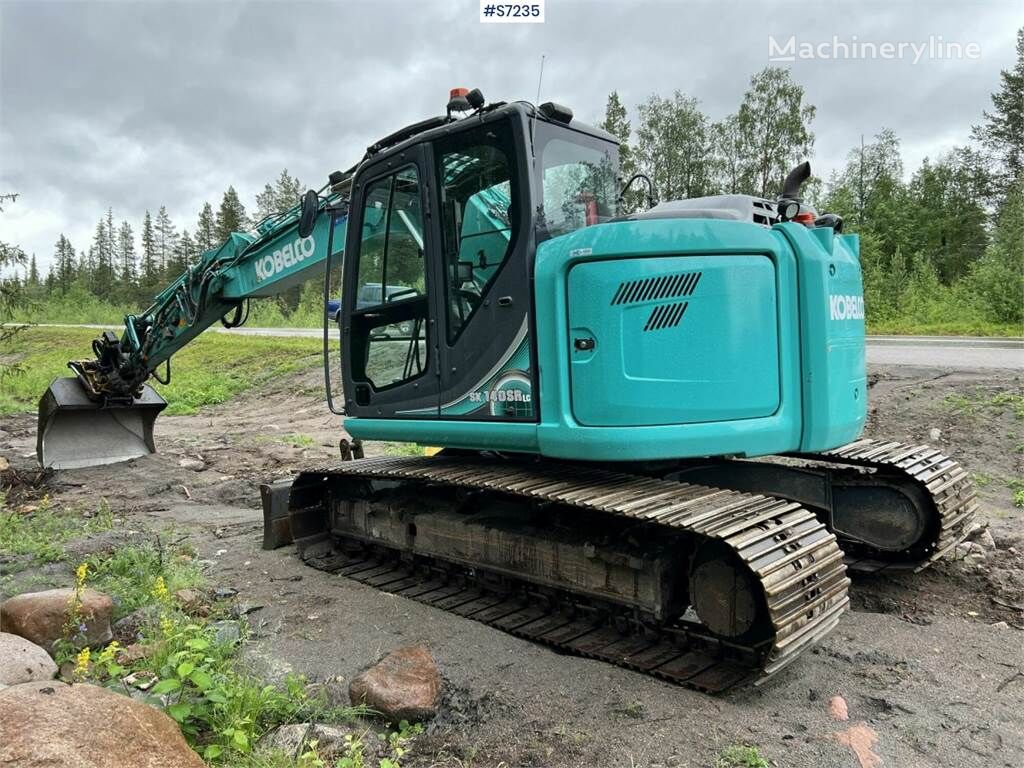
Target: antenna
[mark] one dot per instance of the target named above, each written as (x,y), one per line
(536,106)
(540,78)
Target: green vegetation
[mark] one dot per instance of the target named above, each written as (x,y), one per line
(740,757)
(1016,487)
(402,449)
(982,402)
(40,529)
(182,666)
(211,370)
(298,441)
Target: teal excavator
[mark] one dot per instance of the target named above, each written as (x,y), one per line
(651,422)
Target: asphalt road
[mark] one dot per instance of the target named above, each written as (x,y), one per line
(925,351)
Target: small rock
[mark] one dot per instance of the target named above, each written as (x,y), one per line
(223,593)
(188,598)
(934,434)
(294,738)
(1000,625)
(142,680)
(41,616)
(970,552)
(226,631)
(244,609)
(837,709)
(87,726)
(193,464)
(130,629)
(404,685)
(137,652)
(986,541)
(22,661)
(4,464)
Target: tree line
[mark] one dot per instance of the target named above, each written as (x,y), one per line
(946,244)
(120,268)
(940,247)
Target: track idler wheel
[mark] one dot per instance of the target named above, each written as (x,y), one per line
(726,595)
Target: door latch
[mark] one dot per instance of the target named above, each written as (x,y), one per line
(583,344)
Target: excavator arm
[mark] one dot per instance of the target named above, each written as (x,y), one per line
(105,414)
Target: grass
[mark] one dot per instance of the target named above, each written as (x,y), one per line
(951,328)
(738,756)
(981,402)
(40,529)
(212,369)
(298,441)
(403,449)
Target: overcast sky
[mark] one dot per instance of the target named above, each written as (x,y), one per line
(139,104)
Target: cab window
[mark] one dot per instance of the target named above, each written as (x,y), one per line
(579,181)
(389,319)
(479,194)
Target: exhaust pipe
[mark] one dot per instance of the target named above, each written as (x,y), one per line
(75,431)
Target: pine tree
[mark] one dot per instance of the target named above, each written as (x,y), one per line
(63,270)
(166,240)
(278,197)
(231,216)
(206,229)
(33,271)
(101,257)
(150,276)
(184,256)
(126,255)
(1002,133)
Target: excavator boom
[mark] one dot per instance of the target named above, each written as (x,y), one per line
(106,412)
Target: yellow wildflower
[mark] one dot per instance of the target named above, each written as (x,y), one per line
(160,589)
(107,654)
(82,663)
(81,573)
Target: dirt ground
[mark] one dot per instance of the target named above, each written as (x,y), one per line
(931,665)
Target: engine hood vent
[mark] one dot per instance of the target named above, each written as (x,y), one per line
(654,288)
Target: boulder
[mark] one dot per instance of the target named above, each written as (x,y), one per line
(41,616)
(48,724)
(404,685)
(22,661)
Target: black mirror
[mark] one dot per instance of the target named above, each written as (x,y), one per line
(310,208)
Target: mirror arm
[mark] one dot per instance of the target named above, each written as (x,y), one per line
(651,193)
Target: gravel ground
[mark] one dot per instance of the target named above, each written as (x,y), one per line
(931,665)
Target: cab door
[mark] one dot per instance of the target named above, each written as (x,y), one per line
(388,345)
(484,306)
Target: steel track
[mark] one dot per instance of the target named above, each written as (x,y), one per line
(945,482)
(791,555)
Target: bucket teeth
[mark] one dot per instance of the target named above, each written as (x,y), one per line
(75,431)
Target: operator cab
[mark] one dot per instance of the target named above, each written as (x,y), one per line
(444,218)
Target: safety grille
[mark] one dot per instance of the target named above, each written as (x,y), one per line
(666,316)
(651,288)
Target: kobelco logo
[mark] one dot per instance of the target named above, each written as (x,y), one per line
(269,265)
(846,307)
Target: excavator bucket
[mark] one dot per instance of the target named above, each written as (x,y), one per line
(75,431)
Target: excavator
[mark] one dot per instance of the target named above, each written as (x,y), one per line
(650,423)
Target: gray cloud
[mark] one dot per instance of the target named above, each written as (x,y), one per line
(142,104)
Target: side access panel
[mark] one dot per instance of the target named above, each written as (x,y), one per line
(674,340)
